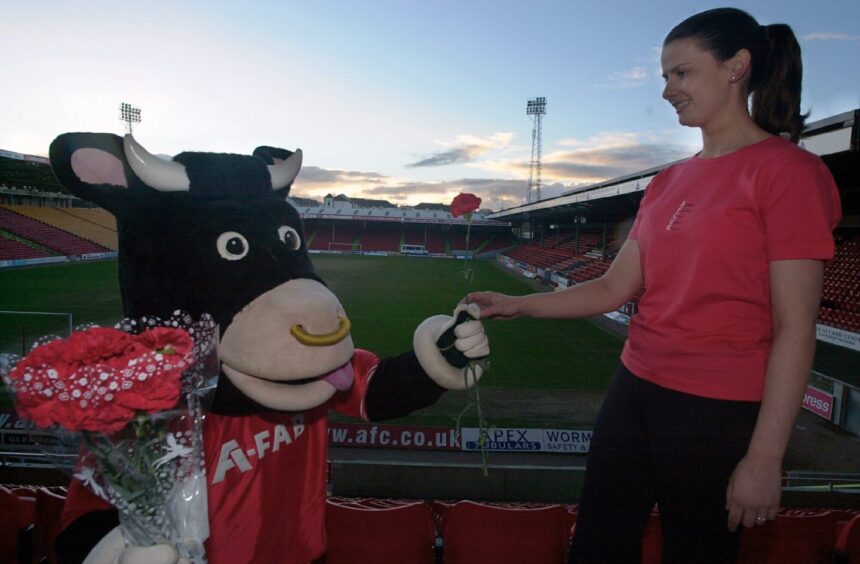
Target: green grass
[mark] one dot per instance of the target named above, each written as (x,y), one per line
(89,291)
(385,298)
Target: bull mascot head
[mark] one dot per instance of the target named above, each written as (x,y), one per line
(214,233)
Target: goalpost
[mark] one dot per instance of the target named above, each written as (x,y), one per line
(344,248)
(18,332)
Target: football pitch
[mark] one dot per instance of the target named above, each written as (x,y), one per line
(385,298)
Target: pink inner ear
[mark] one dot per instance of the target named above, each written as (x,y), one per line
(95,166)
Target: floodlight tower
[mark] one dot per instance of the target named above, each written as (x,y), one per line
(535,109)
(129,114)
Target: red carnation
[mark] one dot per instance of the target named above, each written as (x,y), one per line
(464,203)
(97,379)
(97,345)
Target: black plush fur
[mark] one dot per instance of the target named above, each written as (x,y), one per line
(169,259)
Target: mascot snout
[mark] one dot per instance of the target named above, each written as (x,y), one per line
(290,348)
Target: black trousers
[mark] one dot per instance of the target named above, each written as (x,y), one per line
(655,445)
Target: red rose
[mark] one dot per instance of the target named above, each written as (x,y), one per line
(464,203)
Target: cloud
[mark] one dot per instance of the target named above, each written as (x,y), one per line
(632,78)
(829,36)
(313,175)
(452,156)
(610,155)
(575,163)
(464,149)
(579,162)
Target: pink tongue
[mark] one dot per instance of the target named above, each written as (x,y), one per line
(341,378)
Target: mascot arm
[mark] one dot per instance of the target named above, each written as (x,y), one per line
(76,541)
(91,534)
(444,345)
(85,541)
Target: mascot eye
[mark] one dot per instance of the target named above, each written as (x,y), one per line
(232,245)
(290,237)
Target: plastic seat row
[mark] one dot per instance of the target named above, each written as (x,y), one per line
(468,532)
(463,531)
(379,530)
(29,523)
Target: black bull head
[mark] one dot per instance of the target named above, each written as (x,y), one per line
(213,233)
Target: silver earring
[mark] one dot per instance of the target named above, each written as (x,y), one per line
(733,78)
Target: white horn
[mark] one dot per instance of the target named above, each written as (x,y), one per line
(284,173)
(164,176)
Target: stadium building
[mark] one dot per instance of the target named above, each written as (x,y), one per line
(574,237)
(557,242)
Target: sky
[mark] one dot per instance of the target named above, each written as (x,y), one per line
(404,100)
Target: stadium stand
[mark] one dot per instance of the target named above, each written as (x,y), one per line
(99,216)
(46,235)
(28,174)
(12,523)
(436,243)
(495,242)
(484,532)
(11,249)
(77,223)
(840,302)
(379,238)
(580,261)
(379,531)
(795,536)
(326,235)
(848,542)
(432,238)
(46,524)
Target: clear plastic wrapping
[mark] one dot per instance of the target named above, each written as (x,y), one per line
(128,401)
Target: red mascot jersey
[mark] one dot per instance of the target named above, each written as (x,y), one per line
(266,477)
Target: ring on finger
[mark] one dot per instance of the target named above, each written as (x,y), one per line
(760,520)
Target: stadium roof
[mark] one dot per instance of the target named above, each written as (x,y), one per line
(836,139)
(402,215)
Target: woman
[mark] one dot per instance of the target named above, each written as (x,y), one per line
(729,246)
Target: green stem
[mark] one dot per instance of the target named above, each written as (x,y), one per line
(471,369)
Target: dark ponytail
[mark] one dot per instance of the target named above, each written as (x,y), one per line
(776,70)
(776,98)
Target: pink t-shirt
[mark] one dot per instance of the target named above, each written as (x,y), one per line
(706,230)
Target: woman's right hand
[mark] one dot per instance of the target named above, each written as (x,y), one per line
(494,304)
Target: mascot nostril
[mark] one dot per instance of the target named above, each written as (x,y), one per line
(199,233)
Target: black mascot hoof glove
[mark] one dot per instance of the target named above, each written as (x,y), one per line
(444,346)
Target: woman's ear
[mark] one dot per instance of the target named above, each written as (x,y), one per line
(739,65)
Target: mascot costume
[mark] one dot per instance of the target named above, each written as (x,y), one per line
(213,233)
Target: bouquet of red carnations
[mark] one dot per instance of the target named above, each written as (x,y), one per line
(131,398)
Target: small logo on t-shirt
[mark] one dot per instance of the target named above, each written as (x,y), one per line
(676,217)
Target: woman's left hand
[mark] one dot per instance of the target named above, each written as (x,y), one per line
(752,497)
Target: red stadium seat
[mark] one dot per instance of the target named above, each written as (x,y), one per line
(49,507)
(10,525)
(806,538)
(848,543)
(478,533)
(402,532)
(652,539)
